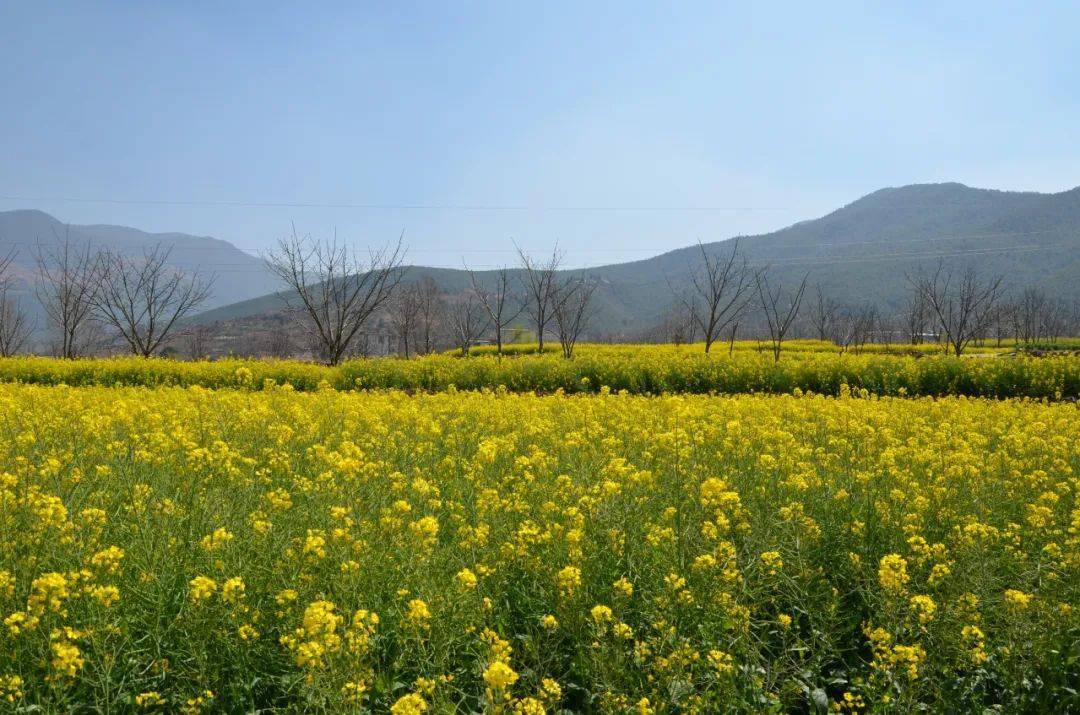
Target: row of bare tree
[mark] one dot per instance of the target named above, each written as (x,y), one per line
(547,300)
(849,326)
(420,312)
(337,291)
(334,290)
(953,305)
(722,290)
(1033,318)
(138,298)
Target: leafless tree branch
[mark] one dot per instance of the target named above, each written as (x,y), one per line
(719,291)
(538,284)
(14,326)
(824,314)
(337,290)
(961,301)
(404,312)
(68,282)
(499,302)
(468,320)
(143,297)
(780,314)
(571,311)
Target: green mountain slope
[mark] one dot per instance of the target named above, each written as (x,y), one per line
(860,252)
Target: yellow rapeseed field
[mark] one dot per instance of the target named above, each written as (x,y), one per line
(639,369)
(183,549)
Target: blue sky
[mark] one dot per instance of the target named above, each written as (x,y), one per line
(587,115)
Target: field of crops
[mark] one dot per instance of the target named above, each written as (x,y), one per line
(183,549)
(808,366)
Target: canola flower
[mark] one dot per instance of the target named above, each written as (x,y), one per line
(201,588)
(467,578)
(418,613)
(67,659)
(1017,600)
(892,573)
(11,688)
(182,549)
(411,704)
(149,699)
(499,676)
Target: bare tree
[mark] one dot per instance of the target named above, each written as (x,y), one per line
(1056,319)
(540,289)
(823,314)
(404,314)
(468,319)
(916,317)
(719,291)
(196,342)
(143,297)
(961,301)
(14,327)
(1070,318)
(68,281)
(278,342)
(431,314)
(499,302)
(337,289)
(571,312)
(731,338)
(677,325)
(5,265)
(854,327)
(780,308)
(844,328)
(1002,321)
(1036,316)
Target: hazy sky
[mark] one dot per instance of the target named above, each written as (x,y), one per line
(588,115)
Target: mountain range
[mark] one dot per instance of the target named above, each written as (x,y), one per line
(22,233)
(860,252)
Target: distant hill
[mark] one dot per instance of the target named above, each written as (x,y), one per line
(239,275)
(857,253)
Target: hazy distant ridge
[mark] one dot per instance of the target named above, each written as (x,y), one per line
(239,275)
(857,253)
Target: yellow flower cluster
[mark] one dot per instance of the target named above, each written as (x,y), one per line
(892,573)
(317,635)
(202,588)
